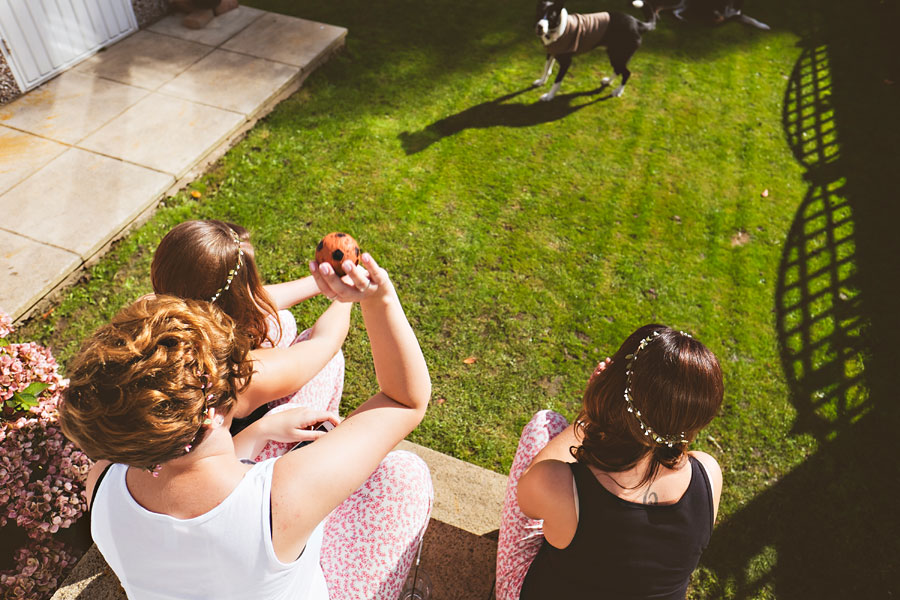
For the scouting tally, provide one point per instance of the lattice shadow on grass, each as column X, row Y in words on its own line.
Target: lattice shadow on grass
column 818, row 308
column 497, row 113
column 812, row 533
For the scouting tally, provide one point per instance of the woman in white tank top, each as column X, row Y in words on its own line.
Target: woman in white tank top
column 178, row 514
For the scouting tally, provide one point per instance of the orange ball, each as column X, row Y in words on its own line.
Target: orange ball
column 335, row 248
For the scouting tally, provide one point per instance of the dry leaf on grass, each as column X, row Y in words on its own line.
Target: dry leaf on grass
column 470, row 360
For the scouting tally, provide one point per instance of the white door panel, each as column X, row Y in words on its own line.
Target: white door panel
column 43, row 37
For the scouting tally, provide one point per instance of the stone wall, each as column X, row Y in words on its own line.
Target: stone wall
column 146, row 11
column 149, row 11
column 9, row 89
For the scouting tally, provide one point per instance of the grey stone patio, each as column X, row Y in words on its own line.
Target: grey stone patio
column 91, row 152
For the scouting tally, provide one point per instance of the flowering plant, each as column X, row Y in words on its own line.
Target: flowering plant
column 42, row 474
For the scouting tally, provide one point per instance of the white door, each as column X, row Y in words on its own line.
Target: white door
column 43, row 37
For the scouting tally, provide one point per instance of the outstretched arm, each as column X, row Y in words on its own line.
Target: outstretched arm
column 309, row 483
column 282, row 371
column 289, row 293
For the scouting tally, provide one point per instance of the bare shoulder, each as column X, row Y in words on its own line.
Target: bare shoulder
column 544, row 487
column 93, row 476
column 546, row 492
column 551, row 472
column 715, row 476
column 712, row 466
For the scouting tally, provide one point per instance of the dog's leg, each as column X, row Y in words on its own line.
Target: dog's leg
column 752, row 22
column 564, row 61
column 625, row 75
column 619, row 55
column 548, row 68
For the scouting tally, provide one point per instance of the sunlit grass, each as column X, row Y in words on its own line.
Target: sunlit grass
column 535, row 237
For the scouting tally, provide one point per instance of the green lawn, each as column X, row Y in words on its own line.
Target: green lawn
column 536, row 236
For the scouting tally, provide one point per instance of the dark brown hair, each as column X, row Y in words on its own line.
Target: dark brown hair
column 676, row 384
column 193, row 261
column 140, row 386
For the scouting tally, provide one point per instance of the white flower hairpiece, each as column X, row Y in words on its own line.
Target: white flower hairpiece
column 232, row 272
column 668, row 440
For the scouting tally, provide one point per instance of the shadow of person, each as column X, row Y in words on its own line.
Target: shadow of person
column 496, row 113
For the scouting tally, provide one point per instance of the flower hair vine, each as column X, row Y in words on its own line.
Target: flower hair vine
column 209, row 412
column 234, row 271
column 668, row 440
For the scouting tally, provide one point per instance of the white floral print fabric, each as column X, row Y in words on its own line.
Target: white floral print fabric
column 322, row 391
column 521, row 537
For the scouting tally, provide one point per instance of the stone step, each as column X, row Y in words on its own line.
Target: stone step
column 457, row 555
column 461, row 542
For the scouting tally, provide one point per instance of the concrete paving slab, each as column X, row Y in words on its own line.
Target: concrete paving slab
column 460, row 565
column 29, row 269
column 91, row 579
column 80, row 200
column 231, row 81
column 465, row 496
column 164, row 133
column 286, row 39
column 21, row 154
column 144, row 59
column 219, row 29
column 70, row 107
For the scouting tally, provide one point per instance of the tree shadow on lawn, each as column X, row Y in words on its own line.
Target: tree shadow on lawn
column 495, row 113
column 829, row 528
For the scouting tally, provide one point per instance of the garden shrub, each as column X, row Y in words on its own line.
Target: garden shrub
column 42, row 474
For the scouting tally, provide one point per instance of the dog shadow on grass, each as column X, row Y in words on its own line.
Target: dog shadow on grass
column 498, row 113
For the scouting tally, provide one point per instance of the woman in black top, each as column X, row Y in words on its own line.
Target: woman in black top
column 615, row 506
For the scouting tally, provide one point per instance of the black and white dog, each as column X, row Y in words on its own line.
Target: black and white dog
column 710, row 11
column 564, row 35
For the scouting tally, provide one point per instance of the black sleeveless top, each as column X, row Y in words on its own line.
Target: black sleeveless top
column 622, row 549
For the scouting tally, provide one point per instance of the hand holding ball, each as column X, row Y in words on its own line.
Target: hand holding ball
column 335, row 248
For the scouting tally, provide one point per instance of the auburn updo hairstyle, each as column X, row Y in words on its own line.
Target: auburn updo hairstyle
column 140, row 386
column 193, row 260
column 676, row 384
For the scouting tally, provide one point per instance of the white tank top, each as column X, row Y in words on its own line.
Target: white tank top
column 224, row 553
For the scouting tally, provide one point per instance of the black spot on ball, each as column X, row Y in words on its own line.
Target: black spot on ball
column 341, row 235
column 356, row 249
column 337, row 255
column 321, row 245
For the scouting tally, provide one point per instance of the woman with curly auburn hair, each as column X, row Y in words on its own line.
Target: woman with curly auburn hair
column 176, row 512
column 215, row 261
column 615, row 505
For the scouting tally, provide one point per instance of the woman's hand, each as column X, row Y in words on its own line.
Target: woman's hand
column 295, row 424
column 601, row 366
column 362, row 282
